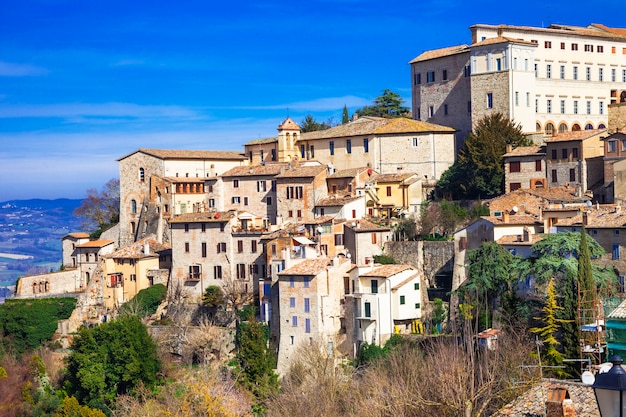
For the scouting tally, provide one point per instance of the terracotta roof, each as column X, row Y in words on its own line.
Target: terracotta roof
column 77, row 235
column 532, row 403
column 190, row 154
column 336, row 201
column 367, row 226
column 566, row 195
column 592, row 30
column 438, row 53
column 368, row 125
column 605, row 217
column 255, row 170
column 320, row 220
column 309, row 267
column 204, row 217
column 616, row 31
column 386, row 271
column 526, row 151
column 576, row 135
column 186, row 179
column 512, row 240
column 348, row 173
column 502, row 39
column 288, row 123
column 303, row 172
column 262, row 141
column 391, row 177
column 136, row 250
column 513, row 219
column 96, row 244
column 616, row 136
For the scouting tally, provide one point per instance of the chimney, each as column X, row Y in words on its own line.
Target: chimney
column 509, row 148
column 585, row 218
column 505, row 216
column 558, row 402
column 146, row 248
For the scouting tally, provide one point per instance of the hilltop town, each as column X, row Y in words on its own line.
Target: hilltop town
column 297, row 224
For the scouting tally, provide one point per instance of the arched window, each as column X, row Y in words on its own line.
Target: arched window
column 133, row 206
column 132, row 227
column 601, row 126
column 538, row 127
column 562, row 128
column 549, row 129
column 142, row 174
column 575, row 127
column 588, row 126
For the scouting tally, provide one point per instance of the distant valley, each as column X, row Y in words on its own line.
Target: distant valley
column 30, row 235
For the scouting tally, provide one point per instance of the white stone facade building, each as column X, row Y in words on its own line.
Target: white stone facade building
column 554, row 79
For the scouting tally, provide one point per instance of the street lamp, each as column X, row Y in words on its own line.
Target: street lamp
column 610, row 390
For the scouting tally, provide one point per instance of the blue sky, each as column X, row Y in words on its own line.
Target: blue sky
column 83, row 83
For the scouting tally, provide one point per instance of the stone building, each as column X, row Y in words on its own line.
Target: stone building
column 606, row 224
column 217, row 248
column 364, row 239
column 144, row 206
column 551, row 79
column 393, row 195
column 68, row 244
column 298, row 189
column 387, row 300
column 89, row 256
column 385, row 145
column 134, row 268
column 253, row 189
column 310, row 306
column 524, row 167
column 614, row 151
column 575, row 159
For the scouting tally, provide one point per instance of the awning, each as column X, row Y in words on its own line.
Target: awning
column 303, row 240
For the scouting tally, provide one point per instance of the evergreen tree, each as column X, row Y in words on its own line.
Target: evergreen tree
column 548, row 333
column 111, row 359
column 256, row 360
column 345, row 118
column 388, row 104
column 585, row 280
column 555, row 257
column 479, row 170
column 490, row 274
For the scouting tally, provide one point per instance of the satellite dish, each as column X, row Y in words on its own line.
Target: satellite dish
column 606, row 367
column 515, row 209
column 589, row 203
column 320, row 229
column 587, row 378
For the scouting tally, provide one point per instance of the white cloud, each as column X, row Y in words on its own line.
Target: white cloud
column 127, row 63
column 76, row 110
column 8, row 69
column 321, row 104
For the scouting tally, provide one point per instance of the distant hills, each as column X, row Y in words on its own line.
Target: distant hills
column 32, row 230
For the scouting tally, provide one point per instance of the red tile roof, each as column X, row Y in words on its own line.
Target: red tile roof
column 190, row 154
column 255, row 170
column 308, row 267
column 386, row 271
column 96, row 244
column 576, row 135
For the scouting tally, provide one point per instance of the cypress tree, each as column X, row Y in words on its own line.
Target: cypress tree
column 345, row 118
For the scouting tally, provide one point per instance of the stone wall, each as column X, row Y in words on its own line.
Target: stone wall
column 48, row 285
column 617, row 117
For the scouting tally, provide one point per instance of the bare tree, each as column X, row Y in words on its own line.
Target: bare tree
column 100, row 209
